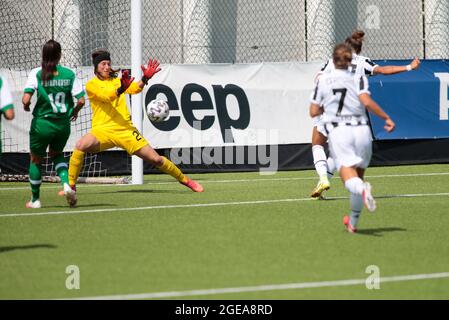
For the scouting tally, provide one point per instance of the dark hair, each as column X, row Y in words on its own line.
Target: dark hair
column 102, row 55
column 342, row 56
column 355, row 41
column 51, row 54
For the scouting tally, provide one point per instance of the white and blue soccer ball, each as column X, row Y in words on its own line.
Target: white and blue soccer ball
column 158, row 110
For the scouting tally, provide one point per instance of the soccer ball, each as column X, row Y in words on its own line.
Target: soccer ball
column 158, row 110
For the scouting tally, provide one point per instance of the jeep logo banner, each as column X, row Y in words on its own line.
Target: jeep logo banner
column 232, row 105
column 257, row 105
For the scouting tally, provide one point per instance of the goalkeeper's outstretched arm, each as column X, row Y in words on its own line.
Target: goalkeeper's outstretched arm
column 148, row 72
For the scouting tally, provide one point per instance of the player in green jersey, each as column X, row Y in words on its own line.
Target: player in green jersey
column 6, row 105
column 56, row 88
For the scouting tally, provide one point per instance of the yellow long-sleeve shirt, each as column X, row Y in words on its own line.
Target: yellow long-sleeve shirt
column 108, row 109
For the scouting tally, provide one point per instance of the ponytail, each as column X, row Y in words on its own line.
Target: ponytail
column 355, row 41
column 51, row 54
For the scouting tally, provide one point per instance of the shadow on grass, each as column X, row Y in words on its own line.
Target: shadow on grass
column 378, row 232
column 28, row 247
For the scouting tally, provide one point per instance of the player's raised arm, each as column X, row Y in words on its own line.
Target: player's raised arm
column 125, row 82
column 355, row 41
column 389, row 70
column 136, row 87
column 149, row 71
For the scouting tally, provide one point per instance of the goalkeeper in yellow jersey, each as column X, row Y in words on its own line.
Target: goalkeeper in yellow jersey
column 111, row 121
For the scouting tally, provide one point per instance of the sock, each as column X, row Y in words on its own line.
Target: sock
column 356, row 201
column 35, row 180
column 355, row 185
column 171, row 169
column 319, row 159
column 61, row 168
column 331, row 167
column 76, row 163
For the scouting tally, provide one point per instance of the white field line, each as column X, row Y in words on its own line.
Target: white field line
column 276, row 287
column 177, row 206
column 82, row 186
column 198, row 205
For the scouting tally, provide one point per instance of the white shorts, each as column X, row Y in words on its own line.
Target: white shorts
column 317, row 120
column 319, row 124
column 351, row 146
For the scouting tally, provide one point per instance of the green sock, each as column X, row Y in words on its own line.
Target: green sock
column 35, row 180
column 61, row 168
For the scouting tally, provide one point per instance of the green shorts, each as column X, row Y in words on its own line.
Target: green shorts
column 46, row 132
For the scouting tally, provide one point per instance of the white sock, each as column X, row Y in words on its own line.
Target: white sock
column 319, row 159
column 356, row 201
column 355, row 185
column 331, row 167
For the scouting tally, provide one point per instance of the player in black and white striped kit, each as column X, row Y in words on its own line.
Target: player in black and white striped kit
column 359, row 65
column 342, row 98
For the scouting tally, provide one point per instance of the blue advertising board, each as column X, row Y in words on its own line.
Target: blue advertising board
column 417, row 101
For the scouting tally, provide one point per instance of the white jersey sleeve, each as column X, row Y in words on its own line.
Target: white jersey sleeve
column 317, row 94
column 77, row 89
column 369, row 66
column 32, row 84
column 361, row 65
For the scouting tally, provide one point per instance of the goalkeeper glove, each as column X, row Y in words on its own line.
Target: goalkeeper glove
column 150, row 70
column 125, row 81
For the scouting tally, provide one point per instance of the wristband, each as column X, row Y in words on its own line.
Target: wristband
column 145, row 80
column 120, row 91
column 409, row 67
